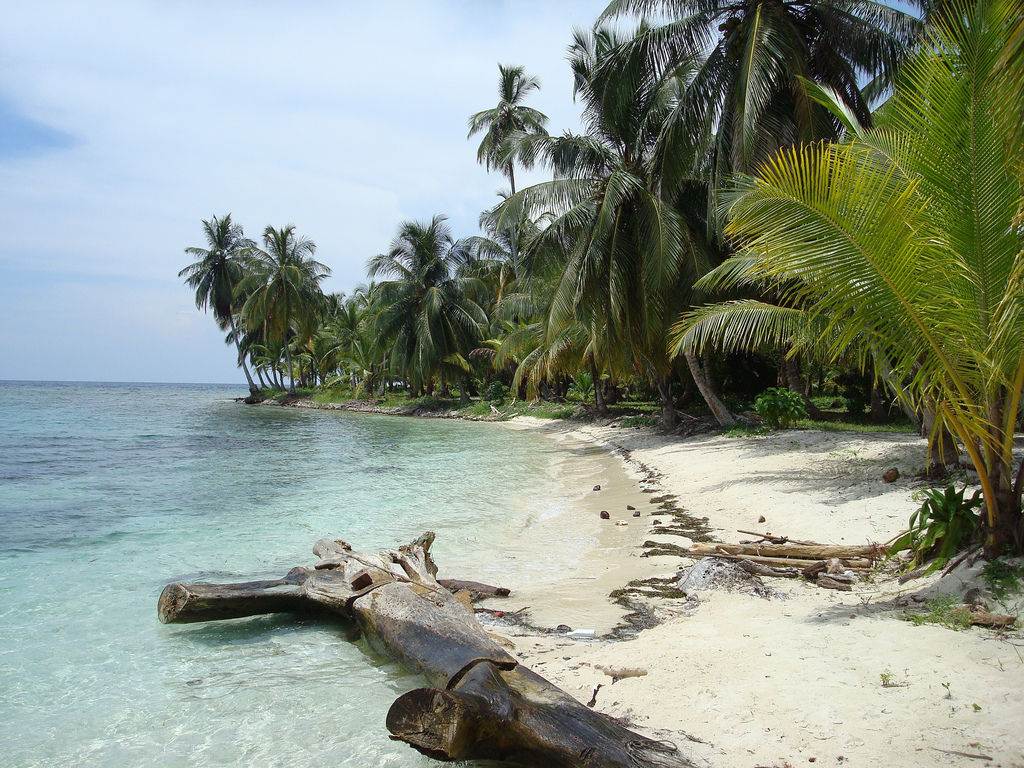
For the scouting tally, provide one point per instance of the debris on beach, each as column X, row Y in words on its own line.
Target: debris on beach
column 713, row 573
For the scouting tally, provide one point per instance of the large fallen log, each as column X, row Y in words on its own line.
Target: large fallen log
column 801, row 551
column 481, row 704
column 854, row 564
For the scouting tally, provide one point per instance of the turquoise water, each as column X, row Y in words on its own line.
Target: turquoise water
column 110, row 491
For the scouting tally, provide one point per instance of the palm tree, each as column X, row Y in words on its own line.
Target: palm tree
column 216, row 273
column 907, row 239
column 509, row 119
column 425, row 312
column 750, row 60
column 630, row 254
column 283, row 288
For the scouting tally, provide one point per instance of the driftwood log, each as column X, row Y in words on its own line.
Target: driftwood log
column 480, row 703
column 793, row 550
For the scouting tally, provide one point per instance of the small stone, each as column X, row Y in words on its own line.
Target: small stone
column 636, row 514
column 604, row 514
column 597, row 487
column 630, row 507
column 891, row 475
column 563, row 628
column 498, row 614
column 657, row 522
column 761, row 519
column 621, row 522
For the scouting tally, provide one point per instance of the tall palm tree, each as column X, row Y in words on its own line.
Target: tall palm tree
column 746, row 92
column 630, row 255
column 216, row 273
column 908, row 239
column 425, row 312
column 509, row 119
column 283, row 288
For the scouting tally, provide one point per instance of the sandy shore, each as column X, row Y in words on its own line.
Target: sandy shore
column 737, row 680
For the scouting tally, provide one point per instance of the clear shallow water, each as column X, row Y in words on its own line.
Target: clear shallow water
column 109, row 491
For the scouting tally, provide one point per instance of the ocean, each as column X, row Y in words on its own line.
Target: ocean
column 110, row 491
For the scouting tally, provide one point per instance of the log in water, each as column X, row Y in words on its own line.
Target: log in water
column 480, row 703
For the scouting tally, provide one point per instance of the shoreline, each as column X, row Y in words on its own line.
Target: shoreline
column 811, row 676
column 814, row 675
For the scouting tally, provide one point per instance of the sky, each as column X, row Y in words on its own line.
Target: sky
column 124, row 124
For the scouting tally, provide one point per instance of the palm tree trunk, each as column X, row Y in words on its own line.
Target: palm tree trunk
column 791, row 367
column 669, row 417
column 463, row 392
column 878, row 413
column 715, row 404
column 941, row 441
column 291, row 372
column 599, row 405
column 238, row 349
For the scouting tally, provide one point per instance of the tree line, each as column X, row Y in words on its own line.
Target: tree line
column 816, row 183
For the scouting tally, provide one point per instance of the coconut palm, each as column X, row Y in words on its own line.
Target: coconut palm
column 506, row 121
column 746, row 91
column 283, row 289
column 215, row 274
column 907, row 239
column 630, row 254
column 424, row 312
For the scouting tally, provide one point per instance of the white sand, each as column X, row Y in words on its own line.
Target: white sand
column 794, row 681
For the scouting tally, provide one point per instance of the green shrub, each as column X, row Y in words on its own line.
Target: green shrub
column 582, row 388
column 944, row 522
column 779, row 407
column 496, row 393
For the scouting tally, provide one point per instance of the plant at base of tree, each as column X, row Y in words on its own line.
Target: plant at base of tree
column 581, row 389
column 940, row 527
column 779, row 407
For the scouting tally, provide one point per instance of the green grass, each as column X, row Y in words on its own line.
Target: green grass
column 847, row 426
column 638, row 421
column 1003, row 578
column 746, row 431
column 331, row 395
column 943, row 611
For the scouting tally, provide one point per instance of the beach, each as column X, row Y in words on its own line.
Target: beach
column 812, row 675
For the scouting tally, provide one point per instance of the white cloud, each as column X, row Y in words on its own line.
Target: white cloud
column 339, row 117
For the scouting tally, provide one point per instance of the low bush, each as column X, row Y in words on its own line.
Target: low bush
column 779, row 407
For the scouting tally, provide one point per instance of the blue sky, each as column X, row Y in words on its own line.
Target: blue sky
column 122, row 125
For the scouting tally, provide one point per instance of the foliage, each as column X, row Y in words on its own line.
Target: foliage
column 746, row 62
column 582, row 388
column 497, row 392
column 1003, row 577
column 940, row 527
column 425, row 312
column 856, row 232
column 779, row 407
